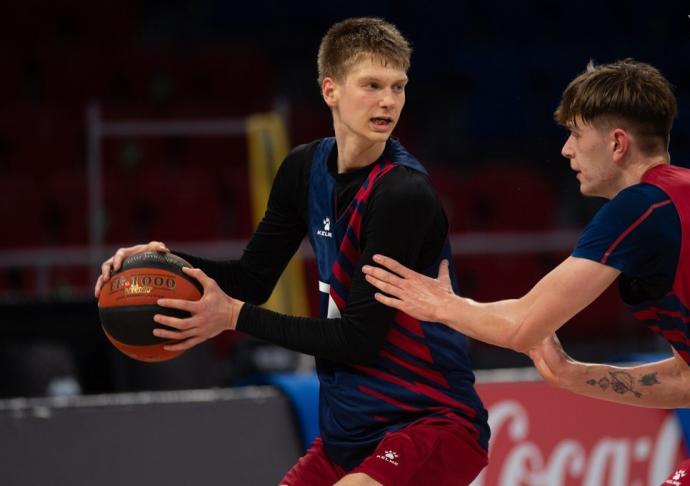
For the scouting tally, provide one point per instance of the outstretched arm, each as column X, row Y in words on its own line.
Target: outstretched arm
column 395, row 222
column 518, row 324
column 662, row 384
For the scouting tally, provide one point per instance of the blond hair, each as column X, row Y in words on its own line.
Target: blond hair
column 348, row 41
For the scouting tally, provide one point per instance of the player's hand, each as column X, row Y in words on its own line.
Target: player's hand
column 552, row 362
column 214, row 313
column 422, row 297
column 114, row 263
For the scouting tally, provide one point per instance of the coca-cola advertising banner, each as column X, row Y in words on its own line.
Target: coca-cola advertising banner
column 545, row 436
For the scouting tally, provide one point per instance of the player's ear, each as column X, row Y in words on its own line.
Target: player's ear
column 620, row 143
column 329, row 90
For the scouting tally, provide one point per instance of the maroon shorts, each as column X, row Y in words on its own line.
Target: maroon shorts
column 680, row 476
column 434, row 451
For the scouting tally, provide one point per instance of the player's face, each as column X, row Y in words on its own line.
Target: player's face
column 368, row 102
column 588, row 149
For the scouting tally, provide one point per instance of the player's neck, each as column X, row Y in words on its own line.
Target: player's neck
column 637, row 170
column 354, row 152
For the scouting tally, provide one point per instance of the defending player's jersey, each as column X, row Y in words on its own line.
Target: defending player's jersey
column 655, row 280
column 670, row 315
column 422, row 369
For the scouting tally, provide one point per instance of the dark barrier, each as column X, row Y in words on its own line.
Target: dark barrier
column 234, row 437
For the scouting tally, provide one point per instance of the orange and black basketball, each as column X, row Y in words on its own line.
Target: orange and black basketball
column 127, row 303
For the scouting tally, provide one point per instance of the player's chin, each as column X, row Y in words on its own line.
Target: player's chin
column 380, row 134
column 589, row 192
column 378, row 137
column 586, row 190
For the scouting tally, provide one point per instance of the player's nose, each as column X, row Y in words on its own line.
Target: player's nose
column 387, row 98
column 567, row 149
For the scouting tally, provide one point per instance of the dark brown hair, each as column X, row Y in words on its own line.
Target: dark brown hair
column 346, row 42
column 627, row 93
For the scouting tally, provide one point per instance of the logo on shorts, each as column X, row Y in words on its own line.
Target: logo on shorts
column 326, row 231
column 389, row 456
column 679, row 474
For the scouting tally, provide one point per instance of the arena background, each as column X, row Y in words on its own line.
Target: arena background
column 484, row 82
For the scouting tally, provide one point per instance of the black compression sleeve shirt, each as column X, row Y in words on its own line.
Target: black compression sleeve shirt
column 276, row 238
column 403, row 220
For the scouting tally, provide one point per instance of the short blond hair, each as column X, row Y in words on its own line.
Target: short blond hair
column 632, row 94
column 348, row 41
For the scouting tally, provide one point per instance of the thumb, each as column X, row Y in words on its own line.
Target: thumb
column 444, row 275
column 541, row 365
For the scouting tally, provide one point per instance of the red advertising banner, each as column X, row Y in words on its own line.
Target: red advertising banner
column 545, row 436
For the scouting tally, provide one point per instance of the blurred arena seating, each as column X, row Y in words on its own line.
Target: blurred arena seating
column 478, row 115
column 483, row 85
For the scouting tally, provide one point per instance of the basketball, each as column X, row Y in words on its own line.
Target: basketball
column 127, row 303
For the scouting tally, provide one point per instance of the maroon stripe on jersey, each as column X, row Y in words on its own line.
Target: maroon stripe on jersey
column 356, row 218
column 420, row 388
column 409, row 345
column 367, row 187
column 342, row 276
column 339, row 301
column 445, row 399
column 450, row 414
column 431, row 375
column 356, row 224
column 409, row 323
column 630, row 228
column 654, row 313
column 348, row 249
column 349, row 245
column 671, row 335
column 387, row 399
column 364, row 193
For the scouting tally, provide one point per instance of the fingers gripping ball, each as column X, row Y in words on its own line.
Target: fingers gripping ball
column 127, row 303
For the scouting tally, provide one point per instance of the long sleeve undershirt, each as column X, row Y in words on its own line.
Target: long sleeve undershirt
column 403, row 220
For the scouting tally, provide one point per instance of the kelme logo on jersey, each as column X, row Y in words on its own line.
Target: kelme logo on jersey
column 326, row 231
column 675, row 480
column 389, row 456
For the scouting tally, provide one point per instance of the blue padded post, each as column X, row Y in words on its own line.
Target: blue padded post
column 303, row 391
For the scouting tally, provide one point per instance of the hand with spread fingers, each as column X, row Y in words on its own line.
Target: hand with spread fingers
column 114, row 263
column 214, row 313
column 421, row 297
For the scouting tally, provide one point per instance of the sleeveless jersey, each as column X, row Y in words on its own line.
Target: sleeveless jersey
column 670, row 314
column 421, row 370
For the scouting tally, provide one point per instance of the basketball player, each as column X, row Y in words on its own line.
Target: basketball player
column 397, row 402
column 619, row 117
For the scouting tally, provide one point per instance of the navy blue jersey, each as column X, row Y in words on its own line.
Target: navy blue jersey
column 639, row 232
column 625, row 234
column 422, row 369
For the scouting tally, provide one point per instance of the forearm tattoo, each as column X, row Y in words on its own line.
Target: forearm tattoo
column 622, row 382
